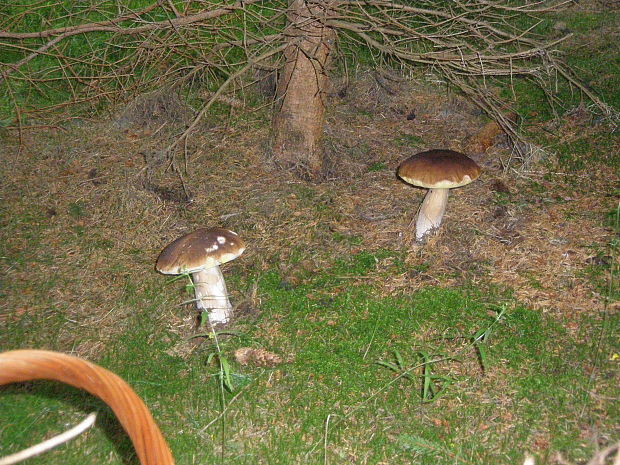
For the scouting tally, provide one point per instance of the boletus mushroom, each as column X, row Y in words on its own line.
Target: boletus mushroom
column 439, row 171
column 200, row 253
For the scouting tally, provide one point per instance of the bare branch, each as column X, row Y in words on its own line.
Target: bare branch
column 469, row 63
column 113, row 25
column 216, row 95
column 472, row 43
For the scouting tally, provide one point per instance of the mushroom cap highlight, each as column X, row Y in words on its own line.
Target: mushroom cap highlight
column 439, row 169
column 199, row 250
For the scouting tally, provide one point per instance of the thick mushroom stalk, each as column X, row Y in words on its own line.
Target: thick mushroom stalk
column 212, row 295
column 431, row 212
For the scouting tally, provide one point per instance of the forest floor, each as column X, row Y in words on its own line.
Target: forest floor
column 331, row 281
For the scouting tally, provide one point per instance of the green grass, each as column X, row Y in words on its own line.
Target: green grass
column 532, row 381
column 528, row 379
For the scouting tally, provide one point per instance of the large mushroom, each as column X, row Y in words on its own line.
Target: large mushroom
column 439, row 171
column 201, row 253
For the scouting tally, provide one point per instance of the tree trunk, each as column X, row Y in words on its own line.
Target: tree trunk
column 301, row 90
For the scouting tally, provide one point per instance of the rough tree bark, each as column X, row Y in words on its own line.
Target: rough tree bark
column 301, row 89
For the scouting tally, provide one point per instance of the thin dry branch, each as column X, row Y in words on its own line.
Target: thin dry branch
column 471, row 64
column 217, row 94
column 470, row 43
column 112, row 26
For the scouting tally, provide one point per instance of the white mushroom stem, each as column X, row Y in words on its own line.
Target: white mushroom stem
column 431, row 212
column 212, row 295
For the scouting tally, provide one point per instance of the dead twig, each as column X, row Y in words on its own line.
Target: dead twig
column 50, row 443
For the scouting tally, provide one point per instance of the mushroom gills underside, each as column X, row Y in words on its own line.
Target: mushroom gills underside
column 431, row 212
column 212, row 295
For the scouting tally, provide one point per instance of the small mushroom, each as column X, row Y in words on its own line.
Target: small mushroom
column 200, row 253
column 439, row 171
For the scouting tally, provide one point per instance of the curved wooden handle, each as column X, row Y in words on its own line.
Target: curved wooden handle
column 28, row 365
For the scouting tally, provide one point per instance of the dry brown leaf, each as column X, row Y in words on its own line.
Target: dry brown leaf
column 257, row 357
column 483, row 139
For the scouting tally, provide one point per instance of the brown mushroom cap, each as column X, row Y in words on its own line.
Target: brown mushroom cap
column 198, row 250
column 439, row 169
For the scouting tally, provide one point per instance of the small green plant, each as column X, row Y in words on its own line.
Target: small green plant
column 409, row 140
column 398, row 366
column 347, row 238
column 422, row 446
column 481, row 337
column 479, row 340
column 501, row 198
column 433, row 385
column 377, row 167
column 77, row 210
column 189, row 286
column 224, row 374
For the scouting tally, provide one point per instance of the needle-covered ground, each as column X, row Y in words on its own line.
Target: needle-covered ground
column 513, row 302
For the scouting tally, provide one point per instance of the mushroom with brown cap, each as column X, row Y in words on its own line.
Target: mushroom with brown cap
column 200, row 253
column 439, row 171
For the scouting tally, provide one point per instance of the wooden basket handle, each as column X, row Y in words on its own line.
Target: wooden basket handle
column 134, row 416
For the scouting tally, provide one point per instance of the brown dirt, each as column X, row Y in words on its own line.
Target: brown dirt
column 531, row 231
